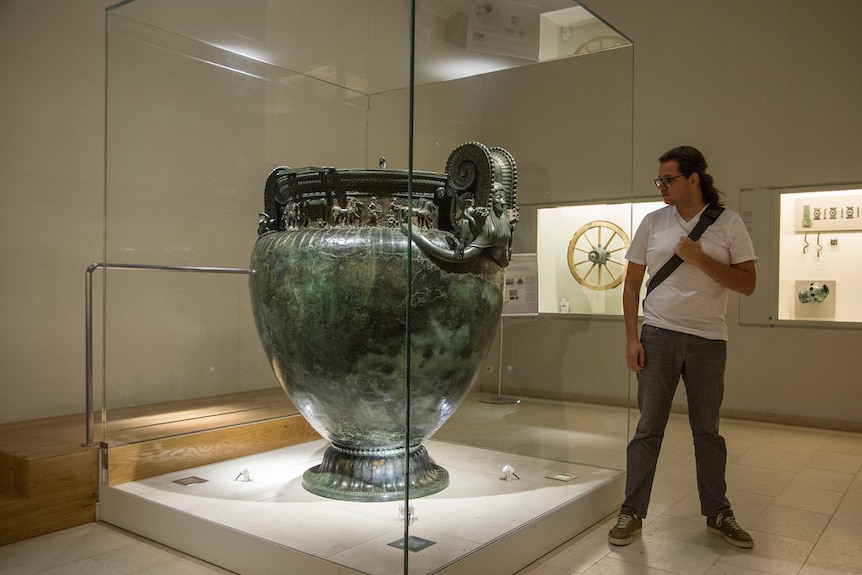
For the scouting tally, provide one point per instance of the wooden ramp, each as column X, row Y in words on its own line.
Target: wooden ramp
column 49, row 480
column 136, row 461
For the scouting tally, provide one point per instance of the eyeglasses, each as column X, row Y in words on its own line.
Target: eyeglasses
column 666, row 181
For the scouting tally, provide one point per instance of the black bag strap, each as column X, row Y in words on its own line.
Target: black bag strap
column 709, row 215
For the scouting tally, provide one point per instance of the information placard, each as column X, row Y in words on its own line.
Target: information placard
column 521, row 292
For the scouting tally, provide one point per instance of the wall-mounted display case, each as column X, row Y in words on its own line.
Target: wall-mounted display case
column 581, row 255
column 808, row 239
column 819, row 241
column 208, row 98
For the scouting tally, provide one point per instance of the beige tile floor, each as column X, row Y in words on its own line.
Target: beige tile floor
column 797, row 490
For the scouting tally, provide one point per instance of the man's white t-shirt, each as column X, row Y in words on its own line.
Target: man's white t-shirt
column 688, row 300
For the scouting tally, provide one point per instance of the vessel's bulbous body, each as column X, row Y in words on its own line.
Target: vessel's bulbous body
column 365, row 331
column 332, row 308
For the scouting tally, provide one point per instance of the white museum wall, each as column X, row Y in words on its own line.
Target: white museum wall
column 52, row 63
column 770, row 99
column 773, row 101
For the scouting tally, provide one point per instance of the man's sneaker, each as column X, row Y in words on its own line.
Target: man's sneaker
column 623, row 533
column 725, row 525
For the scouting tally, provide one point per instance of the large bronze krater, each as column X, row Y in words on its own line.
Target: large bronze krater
column 343, row 300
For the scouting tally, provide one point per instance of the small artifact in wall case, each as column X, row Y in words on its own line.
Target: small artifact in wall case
column 816, row 292
column 815, row 299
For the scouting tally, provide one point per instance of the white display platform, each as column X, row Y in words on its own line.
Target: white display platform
column 480, row 523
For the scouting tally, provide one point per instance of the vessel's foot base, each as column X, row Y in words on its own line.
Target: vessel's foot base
column 369, row 475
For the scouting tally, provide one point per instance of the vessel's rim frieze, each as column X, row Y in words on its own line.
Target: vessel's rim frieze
column 474, row 199
column 313, row 197
column 292, row 183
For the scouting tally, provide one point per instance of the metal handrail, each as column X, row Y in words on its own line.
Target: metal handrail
column 88, row 288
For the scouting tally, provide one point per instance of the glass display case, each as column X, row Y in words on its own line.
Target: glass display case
column 809, row 237
column 232, row 125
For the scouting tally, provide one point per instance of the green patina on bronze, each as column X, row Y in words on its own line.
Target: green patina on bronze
column 330, row 302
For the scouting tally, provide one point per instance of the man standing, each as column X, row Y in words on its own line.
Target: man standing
column 684, row 335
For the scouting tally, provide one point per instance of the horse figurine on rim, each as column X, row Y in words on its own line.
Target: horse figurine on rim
column 349, row 216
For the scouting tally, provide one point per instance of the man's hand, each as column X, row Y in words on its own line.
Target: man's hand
column 741, row 277
column 635, row 355
column 631, row 302
column 688, row 249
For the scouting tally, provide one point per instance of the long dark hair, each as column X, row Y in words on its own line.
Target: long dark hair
column 691, row 161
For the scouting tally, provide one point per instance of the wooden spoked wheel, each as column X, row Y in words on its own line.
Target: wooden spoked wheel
column 597, row 255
